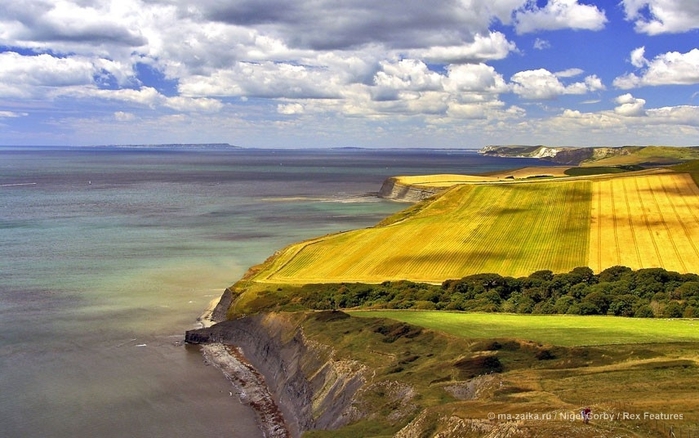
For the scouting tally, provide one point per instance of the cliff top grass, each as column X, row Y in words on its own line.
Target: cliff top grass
column 562, row 330
column 421, row 379
column 650, row 155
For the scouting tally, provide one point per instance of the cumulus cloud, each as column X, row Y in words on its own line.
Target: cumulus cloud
column 630, row 106
column 333, row 25
column 671, row 68
column 474, row 78
column 289, row 109
column 483, row 48
column 26, row 76
column 560, row 14
column 72, row 26
column 266, row 79
column 655, row 17
column 541, row 84
column 638, row 59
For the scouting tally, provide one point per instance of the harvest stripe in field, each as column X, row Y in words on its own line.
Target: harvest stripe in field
column 645, row 222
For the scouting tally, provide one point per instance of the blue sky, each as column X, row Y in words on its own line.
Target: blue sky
column 333, row 73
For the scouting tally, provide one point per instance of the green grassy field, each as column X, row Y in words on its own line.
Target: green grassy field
column 563, row 330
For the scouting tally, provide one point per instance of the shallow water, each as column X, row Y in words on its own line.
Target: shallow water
column 108, row 255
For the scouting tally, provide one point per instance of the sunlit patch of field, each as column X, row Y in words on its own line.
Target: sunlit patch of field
column 567, row 330
column 441, row 180
column 509, row 229
column 533, row 171
column 645, row 221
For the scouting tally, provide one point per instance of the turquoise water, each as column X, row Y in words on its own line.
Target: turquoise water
column 108, row 255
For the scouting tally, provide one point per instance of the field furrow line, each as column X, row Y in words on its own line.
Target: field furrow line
column 612, row 198
column 660, row 210
column 596, row 235
column 630, row 221
column 690, row 210
column 649, row 228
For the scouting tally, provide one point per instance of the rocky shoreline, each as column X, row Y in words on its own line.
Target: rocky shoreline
column 293, row 384
column 250, row 386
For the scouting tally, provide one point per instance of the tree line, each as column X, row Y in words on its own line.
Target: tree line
column 619, row 290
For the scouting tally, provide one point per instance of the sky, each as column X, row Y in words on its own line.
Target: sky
column 350, row 73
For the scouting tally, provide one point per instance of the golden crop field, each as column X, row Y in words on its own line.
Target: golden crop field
column 441, row 180
column 513, row 229
column 640, row 221
column 645, row 221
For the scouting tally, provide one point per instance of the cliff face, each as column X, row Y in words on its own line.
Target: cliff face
column 560, row 155
column 313, row 390
column 392, row 189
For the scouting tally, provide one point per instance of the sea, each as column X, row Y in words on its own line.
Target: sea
column 109, row 254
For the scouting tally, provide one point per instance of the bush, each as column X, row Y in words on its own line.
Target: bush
column 644, row 312
column 673, row 310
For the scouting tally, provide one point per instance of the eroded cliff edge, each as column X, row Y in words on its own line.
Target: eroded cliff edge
column 394, row 190
column 310, row 387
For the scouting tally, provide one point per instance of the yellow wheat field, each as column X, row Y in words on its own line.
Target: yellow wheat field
column 644, row 222
column 510, row 229
column 638, row 221
column 441, row 180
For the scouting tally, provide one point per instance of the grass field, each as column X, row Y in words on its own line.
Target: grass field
column 563, row 330
column 645, row 221
column 470, row 229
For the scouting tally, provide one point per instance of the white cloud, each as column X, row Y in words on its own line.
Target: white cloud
column 630, row 106
column 594, row 83
column 474, row 78
column 638, row 59
column 11, row 114
column 290, row 109
column 187, row 104
column 78, row 27
column 569, row 73
column 560, row 14
column 26, row 76
column 122, row 116
column 655, row 17
column 671, row 68
column 540, row 44
column 483, row 48
column 266, row 79
column 541, row 84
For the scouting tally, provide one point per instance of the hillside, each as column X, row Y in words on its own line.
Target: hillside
column 598, row 156
column 409, row 373
column 639, row 219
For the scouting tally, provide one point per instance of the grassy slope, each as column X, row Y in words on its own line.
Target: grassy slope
column 565, row 330
column 656, row 377
column 651, row 154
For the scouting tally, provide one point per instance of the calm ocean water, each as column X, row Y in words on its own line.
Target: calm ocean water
column 108, row 255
